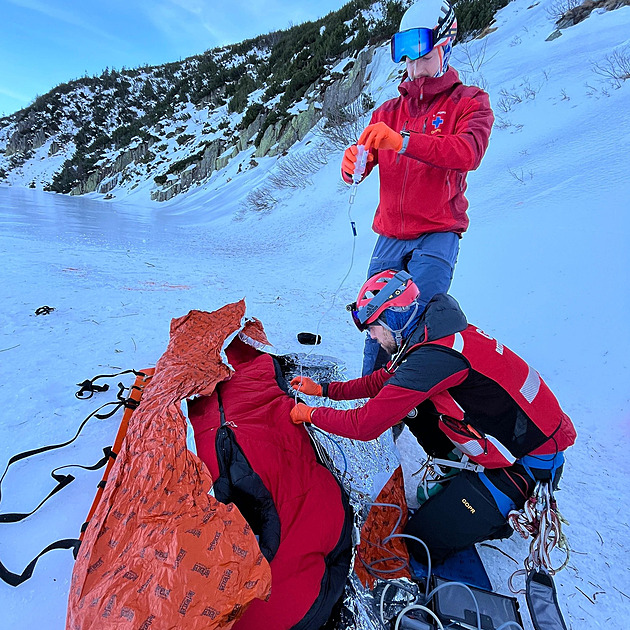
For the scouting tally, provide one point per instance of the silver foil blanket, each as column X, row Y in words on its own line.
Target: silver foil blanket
column 363, row 468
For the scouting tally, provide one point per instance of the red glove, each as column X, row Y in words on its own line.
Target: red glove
column 306, row 385
column 350, row 159
column 380, row 136
column 301, row 413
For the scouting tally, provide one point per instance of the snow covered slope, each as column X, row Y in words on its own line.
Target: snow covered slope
column 544, row 268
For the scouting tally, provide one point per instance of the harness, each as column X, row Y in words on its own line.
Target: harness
column 545, row 429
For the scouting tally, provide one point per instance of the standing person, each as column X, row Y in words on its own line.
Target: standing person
column 424, row 143
column 455, row 387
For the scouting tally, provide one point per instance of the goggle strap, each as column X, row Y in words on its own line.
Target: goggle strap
column 445, row 25
column 398, row 333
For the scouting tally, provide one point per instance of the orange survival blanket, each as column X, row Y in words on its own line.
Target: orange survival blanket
column 159, row 551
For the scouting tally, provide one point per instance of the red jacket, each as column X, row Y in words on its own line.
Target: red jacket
column 422, row 189
column 489, row 393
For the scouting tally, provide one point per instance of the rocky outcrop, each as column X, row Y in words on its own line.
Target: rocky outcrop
column 54, row 148
column 333, row 94
column 28, row 135
column 270, row 139
column 109, row 184
column 123, row 160
column 281, row 136
column 214, row 99
column 223, row 160
column 195, row 172
column 347, row 89
column 580, row 13
column 164, row 194
column 247, row 134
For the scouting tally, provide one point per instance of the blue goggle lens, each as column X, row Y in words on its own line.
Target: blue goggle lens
column 414, row 43
column 354, row 311
column 357, row 321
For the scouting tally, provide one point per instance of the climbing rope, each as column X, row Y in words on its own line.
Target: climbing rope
column 540, row 520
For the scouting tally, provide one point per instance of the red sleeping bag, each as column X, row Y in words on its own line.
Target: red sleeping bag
column 267, row 466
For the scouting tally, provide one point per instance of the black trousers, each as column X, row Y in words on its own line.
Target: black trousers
column 461, row 514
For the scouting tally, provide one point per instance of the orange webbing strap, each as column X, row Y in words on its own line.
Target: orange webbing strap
column 142, row 379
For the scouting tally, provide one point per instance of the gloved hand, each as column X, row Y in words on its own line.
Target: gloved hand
column 350, row 159
column 380, row 136
column 306, row 385
column 301, row 413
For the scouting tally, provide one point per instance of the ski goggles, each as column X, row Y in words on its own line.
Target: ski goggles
column 413, row 44
column 418, row 42
column 361, row 315
column 354, row 311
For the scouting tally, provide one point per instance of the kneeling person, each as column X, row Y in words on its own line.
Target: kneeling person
column 454, row 386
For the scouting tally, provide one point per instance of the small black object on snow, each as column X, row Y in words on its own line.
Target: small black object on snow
column 309, row 339
column 44, row 310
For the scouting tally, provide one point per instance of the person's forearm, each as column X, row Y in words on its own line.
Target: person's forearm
column 364, row 387
column 462, row 150
column 373, row 418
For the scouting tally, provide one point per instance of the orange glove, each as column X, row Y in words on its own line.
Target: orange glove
column 301, row 413
column 350, row 159
column 306, row 385
column 380, row 136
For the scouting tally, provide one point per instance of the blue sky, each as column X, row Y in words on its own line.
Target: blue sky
column 47, row 42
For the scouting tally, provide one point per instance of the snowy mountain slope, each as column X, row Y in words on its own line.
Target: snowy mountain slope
column 544, row 267
column 171, row 126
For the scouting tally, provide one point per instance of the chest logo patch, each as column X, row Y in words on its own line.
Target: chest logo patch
column 437, row 121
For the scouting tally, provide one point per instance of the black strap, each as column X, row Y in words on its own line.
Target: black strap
column 15, row 579
column 62, row 482
column 50, row 447
column 89, row 387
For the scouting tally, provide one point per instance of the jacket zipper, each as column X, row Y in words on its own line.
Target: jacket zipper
column 404, row 184
column 402, row 192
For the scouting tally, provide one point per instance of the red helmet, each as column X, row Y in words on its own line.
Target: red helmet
column 383, row 290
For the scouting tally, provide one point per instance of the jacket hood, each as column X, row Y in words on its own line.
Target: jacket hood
column 441, row 317
column 428, row 87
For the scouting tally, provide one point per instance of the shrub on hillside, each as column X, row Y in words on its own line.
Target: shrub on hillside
column 294, row 171
column 615, row 68
column 344, row 125
column 250, row 115
column 184, row 138
column 245, row 86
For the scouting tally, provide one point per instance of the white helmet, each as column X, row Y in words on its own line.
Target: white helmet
column 437, row 16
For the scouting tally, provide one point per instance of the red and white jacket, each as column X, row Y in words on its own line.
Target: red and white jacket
column 491, row 404
column 422, row 188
